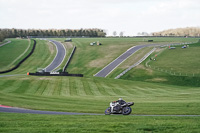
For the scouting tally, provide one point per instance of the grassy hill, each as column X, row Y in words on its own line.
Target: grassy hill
column 94, row 94
column 12, row 53
column 153, row 91
column 42, row 56
column 88, row 60
column 179, row 61
column 28, row 91
column 172, row 66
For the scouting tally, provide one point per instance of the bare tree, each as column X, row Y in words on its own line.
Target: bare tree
column 114, row 33
column 138, row 33
column 144, row 34
column 121, row 34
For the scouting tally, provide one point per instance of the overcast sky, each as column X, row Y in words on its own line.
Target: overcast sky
column 129, row 16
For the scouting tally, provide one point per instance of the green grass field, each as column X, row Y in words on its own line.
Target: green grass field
column 179, row 60
column 43, row 55
column 175, row 66
column 4, row 41
column 24, row 123
column 94, row 94
column 88, row 60
column 153, row 91
column 13, row 53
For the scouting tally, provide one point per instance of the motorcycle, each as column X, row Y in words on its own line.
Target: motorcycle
column 117, row 108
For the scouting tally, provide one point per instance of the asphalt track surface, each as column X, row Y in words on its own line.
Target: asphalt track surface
column 12, row 75
column 110, row 67
column 7, row 109
column 61, row 53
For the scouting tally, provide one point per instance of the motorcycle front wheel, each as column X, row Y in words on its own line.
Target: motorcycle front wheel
column 126, row 110
column 107, row 111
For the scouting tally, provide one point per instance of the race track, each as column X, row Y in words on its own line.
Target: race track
column 61, row 53
column 110, row 67
column 21, row 110
column 5, row 43
column 8, row 109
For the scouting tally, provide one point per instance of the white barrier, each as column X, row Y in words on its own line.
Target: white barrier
column 137, row 63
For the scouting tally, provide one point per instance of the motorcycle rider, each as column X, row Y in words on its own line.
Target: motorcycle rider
column 121, row 101
column 118, row 104
column 119, row 107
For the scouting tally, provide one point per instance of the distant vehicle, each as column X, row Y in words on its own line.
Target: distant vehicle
column 172, row 47
column 119, row 107
column 68, row 40
column 184, row 46
column 95, row 43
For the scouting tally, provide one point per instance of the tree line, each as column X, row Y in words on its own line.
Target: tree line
column 23, row 33
column 189, row 31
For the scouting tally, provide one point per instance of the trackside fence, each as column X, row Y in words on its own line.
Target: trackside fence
column 68, row 61
column 55, row 74
column 175, row 73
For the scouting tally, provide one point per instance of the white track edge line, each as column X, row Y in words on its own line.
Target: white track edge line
column 63, row 57
column 54, row 57
column 121, row 63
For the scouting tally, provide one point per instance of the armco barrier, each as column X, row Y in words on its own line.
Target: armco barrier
column 21, row 60
column 55, row 74
column 136, row 64
column 66, row 65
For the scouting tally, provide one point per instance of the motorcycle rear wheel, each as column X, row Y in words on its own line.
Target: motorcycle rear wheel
column 126, row 110
column 107, row 111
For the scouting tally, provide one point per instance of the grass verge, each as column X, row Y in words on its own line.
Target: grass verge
column 41, row 58
column 73, row 94
column 175, row 66
column 12, row 53
column 123, row 124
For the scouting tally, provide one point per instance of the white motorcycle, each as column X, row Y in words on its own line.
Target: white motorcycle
column 117, row 108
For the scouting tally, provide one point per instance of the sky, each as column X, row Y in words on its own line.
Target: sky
column 128, row 16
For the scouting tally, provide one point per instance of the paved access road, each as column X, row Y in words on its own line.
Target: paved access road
column 5, row 43
column 61, row 53
column 110, row 67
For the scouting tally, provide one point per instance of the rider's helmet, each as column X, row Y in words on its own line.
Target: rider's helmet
column 120, row 99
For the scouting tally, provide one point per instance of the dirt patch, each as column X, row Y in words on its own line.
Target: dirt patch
column 51, row 47
column 97, row 63
column 133, row 59
column 24, row 78
column 158, row 50
column 157, row 79
column 68, row 45
column 106, row 57
column 45, row 78
column 150, row 71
